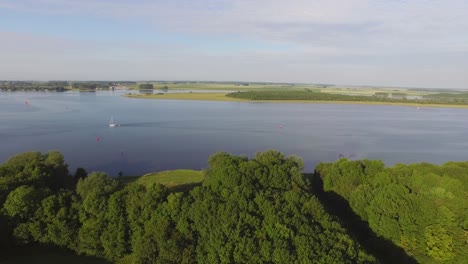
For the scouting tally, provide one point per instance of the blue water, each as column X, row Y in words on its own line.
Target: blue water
column 157, row 135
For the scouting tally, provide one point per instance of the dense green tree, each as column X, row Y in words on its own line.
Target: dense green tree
column 97, row 183
column 80, row 173
column 23, row 202
column 57, row 170
column 115, row 236
column 94, row 192
column 55, row 221
column 20, row 207
column 34, row 208
column 34, row 169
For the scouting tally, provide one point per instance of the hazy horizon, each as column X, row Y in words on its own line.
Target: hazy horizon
column 384, row 43
column 236, row 81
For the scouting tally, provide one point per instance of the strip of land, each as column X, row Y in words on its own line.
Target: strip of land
column 189, row 96
column 223, row 97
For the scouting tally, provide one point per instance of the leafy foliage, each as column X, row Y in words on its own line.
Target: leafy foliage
column 34, row 169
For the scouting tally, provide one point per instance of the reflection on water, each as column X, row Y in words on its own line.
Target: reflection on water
column 144, row 124
column 157, row 135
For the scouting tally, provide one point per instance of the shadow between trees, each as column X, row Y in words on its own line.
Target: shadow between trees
column 47, row 254
column 383, row 249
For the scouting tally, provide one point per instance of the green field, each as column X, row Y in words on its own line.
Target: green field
column 173, row 179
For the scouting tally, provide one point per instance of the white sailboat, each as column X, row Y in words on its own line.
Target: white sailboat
column 111, row 122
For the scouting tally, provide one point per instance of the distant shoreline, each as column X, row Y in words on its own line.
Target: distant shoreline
column 221, row 97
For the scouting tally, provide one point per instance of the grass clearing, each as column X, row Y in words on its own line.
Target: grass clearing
column 173, row 179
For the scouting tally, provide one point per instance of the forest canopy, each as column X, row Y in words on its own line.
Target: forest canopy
column 258, row 210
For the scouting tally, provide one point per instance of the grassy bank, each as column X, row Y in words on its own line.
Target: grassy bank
column 223, row 97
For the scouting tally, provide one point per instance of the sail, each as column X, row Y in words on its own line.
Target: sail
column 111, row 122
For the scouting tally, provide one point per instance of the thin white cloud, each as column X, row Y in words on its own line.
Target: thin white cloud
column 301, row 22
column 363, row 40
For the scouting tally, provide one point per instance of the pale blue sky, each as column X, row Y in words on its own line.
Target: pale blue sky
column 417, row 43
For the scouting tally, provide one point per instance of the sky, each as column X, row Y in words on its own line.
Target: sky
column 405, row 43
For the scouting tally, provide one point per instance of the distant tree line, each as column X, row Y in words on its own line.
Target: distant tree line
column 36, row 86
column 58, row 85
column 91, row 85
column 458, row 99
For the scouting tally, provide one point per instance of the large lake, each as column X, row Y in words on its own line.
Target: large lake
column 159, row 135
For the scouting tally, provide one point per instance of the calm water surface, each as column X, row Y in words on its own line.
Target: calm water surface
column 158, row 135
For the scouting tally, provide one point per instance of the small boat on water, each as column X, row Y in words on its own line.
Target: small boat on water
column 111, row 122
